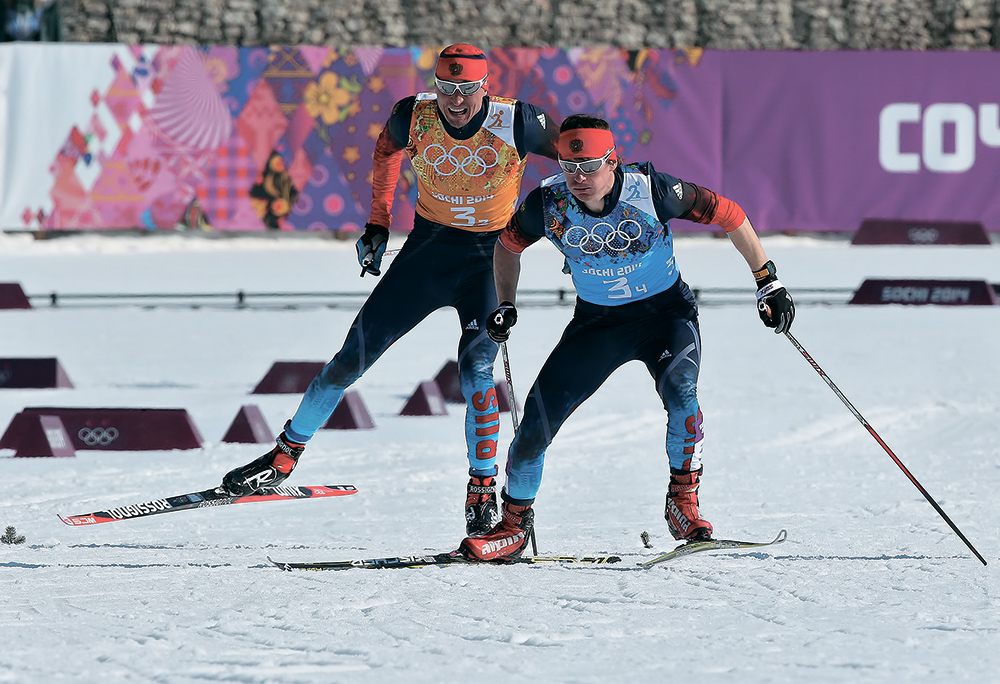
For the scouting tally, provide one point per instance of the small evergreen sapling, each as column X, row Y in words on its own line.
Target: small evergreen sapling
column 11, row 536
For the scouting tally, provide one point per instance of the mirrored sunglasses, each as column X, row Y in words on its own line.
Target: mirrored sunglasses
column 585, row 167
column 467, row 88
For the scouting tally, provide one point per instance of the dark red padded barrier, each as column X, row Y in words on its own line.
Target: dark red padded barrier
column 249, row 427
column 941, row 292
column 18, row 373
column 426, row 400
column 350, row 414
column 288, row 377
column 903, row 232
column 13, row 297
column 43, row 436
column 448, row 382
column 451, row 389
column 114, row 429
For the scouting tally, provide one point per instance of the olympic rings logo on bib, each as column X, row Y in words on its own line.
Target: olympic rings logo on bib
column 603, row 236
column 98, row 436
column 460, row 157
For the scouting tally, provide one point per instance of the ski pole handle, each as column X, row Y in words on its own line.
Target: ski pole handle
column 365, row 263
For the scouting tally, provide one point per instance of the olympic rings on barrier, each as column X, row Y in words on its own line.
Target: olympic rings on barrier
column 603, row 235
column 98, row 436
column 447, row 163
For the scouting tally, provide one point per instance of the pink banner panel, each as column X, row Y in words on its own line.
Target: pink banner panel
column 281, row 138
column 822, row 141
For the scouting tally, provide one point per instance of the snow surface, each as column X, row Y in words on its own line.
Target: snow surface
column 871, row 586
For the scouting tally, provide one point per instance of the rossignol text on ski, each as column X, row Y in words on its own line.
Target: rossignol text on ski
column 209, row 497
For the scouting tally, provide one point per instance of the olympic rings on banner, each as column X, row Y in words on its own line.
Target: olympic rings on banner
column 98, row 436
column 471, row 163
column 603, row 236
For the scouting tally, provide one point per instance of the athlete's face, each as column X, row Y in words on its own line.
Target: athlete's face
column 458, row 108
column 590, row 188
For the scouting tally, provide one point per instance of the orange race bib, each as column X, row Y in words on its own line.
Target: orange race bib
column 469, row 184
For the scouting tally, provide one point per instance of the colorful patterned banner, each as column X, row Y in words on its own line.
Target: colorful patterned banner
column 272, row 139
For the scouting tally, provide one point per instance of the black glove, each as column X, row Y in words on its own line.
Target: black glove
column 501, row 321
column 774, row 304
column 371, row 247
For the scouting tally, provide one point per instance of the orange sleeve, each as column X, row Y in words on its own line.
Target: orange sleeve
column 729, row 214
column 385, row 174
column 711, row 207
column 513, row 240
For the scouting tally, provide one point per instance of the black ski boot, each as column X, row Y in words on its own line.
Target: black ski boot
column 269, row 470
column 481, row 513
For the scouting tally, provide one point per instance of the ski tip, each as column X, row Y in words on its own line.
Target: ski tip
column 339, row 490
column 77, row 520
column 282, row 566
column 782, row 536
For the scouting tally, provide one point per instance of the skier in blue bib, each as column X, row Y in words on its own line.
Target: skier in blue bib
column 611, row 221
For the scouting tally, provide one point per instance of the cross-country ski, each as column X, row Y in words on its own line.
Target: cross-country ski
column 209, row 497
column 456, row 558
column 450, row 558
column 711, row 545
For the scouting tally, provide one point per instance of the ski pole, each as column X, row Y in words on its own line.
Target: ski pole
column 513, row 420
column 885, row 446
column 369, row 258
column 510, row 387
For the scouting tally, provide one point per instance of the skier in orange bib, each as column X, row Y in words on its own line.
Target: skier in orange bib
column 468, row 150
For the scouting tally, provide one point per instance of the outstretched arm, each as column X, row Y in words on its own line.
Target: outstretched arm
column 748, row 244
column 506, row 272
column 774, row 304
column 675, row 198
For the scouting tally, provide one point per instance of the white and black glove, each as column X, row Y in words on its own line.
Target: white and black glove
column 501, row 321
column 774, row 304
column 371, row 247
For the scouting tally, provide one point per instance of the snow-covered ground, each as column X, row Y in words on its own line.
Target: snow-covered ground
column 871, row 586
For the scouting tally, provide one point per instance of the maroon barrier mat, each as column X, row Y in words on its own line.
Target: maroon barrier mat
column 44, row 436
column 448, row 382
column 288, row 377
column 114, row 429
column 249, row 427
column 902, row 232
column 350, row 414
column 20, row 373
column 940, row 292
column 13, row 297
column 426, row 400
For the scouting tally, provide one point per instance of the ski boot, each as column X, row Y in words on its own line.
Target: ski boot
column 683, row 517
column 269, row 470
column 481, row 505
column 506, row 541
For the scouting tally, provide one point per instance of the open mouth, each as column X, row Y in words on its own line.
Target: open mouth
column 458, row 112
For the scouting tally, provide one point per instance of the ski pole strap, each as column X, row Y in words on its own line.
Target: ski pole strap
column 772, row 286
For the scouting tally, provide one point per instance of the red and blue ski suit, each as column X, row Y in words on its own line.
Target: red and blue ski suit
column 631, row 305
column 468, row 185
